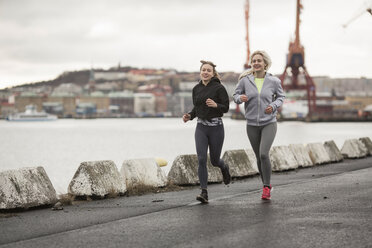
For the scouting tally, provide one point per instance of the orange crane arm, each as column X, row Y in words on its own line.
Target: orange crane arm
column 246, row 65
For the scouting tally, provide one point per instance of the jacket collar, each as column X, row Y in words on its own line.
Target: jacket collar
column 213, row 81
column 251, row 77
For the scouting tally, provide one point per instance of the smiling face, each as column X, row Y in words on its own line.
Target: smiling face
column 206, row 72
column 258, row 63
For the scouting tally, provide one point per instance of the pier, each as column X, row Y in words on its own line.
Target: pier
column 323, row 206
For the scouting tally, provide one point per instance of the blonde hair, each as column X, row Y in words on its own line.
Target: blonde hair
column 266, row 58
column 215, row 73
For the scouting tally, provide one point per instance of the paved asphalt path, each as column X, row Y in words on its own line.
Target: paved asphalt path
column 323, row 206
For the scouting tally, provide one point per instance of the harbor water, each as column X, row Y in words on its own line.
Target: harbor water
column 60, row 146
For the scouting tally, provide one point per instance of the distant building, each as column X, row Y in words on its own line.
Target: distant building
column 124, row 101
column 155, row 88
column 86, row 110
column 6, row 109
column 160, row 92
column 359, row 102
column 55, row 108
column 180, row 103
column 97, row 99
column 144, row 104
column 108, row 87
column 92, row 81
column 149, row 74
column 344, row 86
column 110, row 75
column 68, row 102
column 68, row 88
column 27, row 98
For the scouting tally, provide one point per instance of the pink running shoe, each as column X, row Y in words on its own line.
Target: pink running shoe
column 266, row 193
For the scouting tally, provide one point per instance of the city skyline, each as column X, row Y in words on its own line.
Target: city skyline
column 45, row 38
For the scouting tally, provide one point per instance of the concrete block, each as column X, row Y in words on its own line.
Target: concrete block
column 252, row 158
column 25, row 188
column 239, row 163
column 301, row 155
column 354, row 148
column 367, row 143
column 318, row 153
column 97, row 178
column 333, row 152
column 143, row 172
column 282, row 158
column 184, row 171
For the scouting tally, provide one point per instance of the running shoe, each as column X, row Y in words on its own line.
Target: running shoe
column 203, row 197
column 226, row 174
column 266, row 192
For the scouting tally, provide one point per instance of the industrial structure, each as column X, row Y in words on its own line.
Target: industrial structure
column 237, row 113
column 367, row 7
column 295, row 67
column 246, row 12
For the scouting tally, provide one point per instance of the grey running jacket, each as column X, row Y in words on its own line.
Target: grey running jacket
column 271, row 94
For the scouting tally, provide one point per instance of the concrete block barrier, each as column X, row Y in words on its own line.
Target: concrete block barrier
column 239, row 163
column 138, row 172
column 318, row 153
column 252, row 158
column 282, row 158
column 97, row 178
column 368, row 144
column 353, row 148
column 333, row 152
column 26, row 188
column 301, row 155
column 184, row 171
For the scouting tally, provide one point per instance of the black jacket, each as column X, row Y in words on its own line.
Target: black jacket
column 215, row 91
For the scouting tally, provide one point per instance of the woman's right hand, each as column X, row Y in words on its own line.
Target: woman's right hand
column 243, row 98
column 186, row 117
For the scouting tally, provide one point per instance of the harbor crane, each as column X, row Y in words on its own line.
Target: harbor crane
column 246, row 11
column 295, row 66
column 366, row 8
column 238, row 113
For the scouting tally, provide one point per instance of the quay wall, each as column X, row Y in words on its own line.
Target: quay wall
column 30, row 187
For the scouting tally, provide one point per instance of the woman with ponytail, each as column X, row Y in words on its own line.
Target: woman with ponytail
column 210, row 101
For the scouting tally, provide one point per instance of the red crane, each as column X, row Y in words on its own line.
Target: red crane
column 238, row 114
column 246, row 11
column 296, row 66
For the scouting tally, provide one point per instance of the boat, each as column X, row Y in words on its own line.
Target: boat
column 31, row 114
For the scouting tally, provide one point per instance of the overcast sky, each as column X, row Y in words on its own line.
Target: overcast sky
column 40, row 39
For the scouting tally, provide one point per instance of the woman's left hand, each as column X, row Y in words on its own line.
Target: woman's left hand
column 269, row 110
column 211, row 103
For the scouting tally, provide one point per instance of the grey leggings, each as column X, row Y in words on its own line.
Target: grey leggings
column 213, row 137
column 261, row 138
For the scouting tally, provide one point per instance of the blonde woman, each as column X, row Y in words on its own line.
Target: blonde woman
column 210, row 101
column 262, row 95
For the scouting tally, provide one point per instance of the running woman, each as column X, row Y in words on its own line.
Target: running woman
column 262, row 95
column 210, row 101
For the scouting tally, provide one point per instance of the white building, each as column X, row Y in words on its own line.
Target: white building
column 144, row 104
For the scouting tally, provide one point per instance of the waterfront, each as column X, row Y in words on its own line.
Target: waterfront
column 62, row 145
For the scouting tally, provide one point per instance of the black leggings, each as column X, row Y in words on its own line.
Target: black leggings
column 213, row 137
